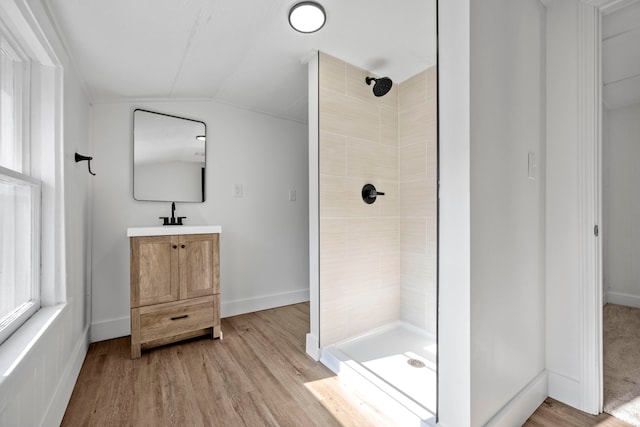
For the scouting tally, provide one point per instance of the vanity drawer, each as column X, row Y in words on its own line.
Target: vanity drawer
column 175, row 286
column 164, row 323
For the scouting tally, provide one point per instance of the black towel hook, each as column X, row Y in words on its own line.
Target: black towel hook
column 80, row 158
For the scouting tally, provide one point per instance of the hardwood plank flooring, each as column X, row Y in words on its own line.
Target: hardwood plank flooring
column 553, row 413
column 258, row 375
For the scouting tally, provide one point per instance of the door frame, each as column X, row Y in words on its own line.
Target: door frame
column 589, row 199
column 593, row 388
column 574, row 141
column 590, row 125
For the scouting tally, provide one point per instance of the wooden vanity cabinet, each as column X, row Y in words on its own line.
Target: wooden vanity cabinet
column 175, row 289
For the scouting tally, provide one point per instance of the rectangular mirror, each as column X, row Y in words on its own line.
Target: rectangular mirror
column 169, row 157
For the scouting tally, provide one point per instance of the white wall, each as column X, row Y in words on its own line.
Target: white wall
column 507, row 207
column 78, row 188
column 264, row 242
column 562, row 265
column 36, row 390
column 454, row 251
column 621, row 206
column 491, row 301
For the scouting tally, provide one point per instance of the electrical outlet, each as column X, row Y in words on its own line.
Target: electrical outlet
column 292, row 195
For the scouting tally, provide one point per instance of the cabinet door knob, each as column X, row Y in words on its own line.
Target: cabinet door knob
column 175, row 246
column 183, row 246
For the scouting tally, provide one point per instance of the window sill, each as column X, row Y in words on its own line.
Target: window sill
column 17, row 347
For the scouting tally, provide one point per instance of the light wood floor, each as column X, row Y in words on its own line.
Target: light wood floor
column 553, row 413
column 259, row 374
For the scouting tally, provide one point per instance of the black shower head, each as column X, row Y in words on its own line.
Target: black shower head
column 382, row 86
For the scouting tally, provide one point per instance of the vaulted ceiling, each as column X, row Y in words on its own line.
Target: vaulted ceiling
column 240, row 52
column 621, row 56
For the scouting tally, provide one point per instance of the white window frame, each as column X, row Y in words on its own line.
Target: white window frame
column 24, row 174
column 12, row 322
column 22, row 84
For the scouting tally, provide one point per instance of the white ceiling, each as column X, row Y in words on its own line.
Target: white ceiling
column 621, row 57
column 241, row 52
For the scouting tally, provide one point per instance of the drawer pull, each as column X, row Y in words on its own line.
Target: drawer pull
column 184, row 316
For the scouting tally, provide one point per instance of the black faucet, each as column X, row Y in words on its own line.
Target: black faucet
column 172, row 220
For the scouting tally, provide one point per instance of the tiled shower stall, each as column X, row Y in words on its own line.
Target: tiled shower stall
column 377, row 261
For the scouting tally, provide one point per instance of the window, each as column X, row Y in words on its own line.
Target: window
column 20, row 196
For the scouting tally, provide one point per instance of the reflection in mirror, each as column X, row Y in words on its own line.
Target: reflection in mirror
column 168, row 158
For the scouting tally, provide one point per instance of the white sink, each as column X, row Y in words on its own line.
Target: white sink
column 171, row 230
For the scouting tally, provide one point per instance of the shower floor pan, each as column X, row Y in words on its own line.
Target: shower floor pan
column 399, row 359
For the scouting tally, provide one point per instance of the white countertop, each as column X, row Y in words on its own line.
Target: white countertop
column 172, row 230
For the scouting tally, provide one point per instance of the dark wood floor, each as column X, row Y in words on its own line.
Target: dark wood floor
column 259, row 374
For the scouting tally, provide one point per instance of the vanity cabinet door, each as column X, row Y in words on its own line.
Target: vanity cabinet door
column 199, row 265
column 154, row 270
column 175, row 289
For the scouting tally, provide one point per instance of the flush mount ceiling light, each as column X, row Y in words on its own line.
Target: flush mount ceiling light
column 307, row 17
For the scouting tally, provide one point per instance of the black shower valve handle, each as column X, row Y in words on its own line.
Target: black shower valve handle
column 370, row 194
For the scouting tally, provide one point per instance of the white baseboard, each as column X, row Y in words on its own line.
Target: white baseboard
column 120, row 327
column 265, row 302
column 110, row 329
column 313, row 347
column 58, row 404
column 620, row 298
column 564, row 389
column 525, row 403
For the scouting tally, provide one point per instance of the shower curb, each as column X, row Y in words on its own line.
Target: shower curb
column 360, row 377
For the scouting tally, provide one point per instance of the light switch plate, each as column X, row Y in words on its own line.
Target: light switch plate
column 237, row 190
column 532, row 166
